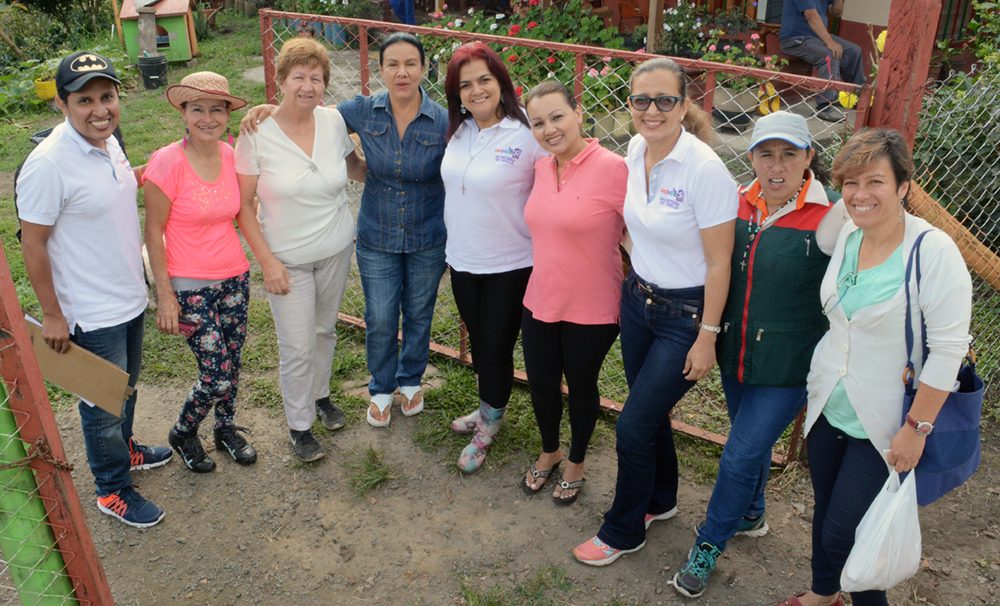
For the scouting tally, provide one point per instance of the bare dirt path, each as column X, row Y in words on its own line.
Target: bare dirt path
column 282, row 533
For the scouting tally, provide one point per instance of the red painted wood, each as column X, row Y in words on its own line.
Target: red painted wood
column 267, row 44
column 30, row 403
column 363, row 55
column 902, row 74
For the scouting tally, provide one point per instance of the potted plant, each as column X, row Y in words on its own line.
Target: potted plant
column 736, row 97
column 604, row 100
column 45, row 78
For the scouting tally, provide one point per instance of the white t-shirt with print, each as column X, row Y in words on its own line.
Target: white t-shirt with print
column 690, row 190
column 485, row 219
column 303, row 208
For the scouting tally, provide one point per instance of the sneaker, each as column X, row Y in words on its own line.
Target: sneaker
column 228, row 439
column 829, row 113
column 693, row 578
column 331, row 416
column 596, row 552
column 666, row 515
column 128, row 506
column 191, row 451
column 753, row 528
column 147, row 457
column 306, row 446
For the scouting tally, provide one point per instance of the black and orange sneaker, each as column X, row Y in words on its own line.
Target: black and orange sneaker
column 147, row 457
column 128, row 506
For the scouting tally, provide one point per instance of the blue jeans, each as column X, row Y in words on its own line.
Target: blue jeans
column 656, row 335
column 105, row 435
column 847, row 474
column 394, row 283
column 758, row 415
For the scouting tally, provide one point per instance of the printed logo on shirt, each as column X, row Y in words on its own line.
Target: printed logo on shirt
column 672, row 198
column 508, row 156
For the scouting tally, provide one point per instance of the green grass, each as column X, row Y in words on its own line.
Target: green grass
column 547, row 587
column 368, row 470
column 264, row 391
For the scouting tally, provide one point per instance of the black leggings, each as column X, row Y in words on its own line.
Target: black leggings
column 491, row 306
column 550, row 349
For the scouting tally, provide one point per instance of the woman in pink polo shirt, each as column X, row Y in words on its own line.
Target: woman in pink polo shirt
column 571, row 304
column 200, row 269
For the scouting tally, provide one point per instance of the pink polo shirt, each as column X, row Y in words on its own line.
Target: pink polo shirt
column 576, row 224
column 199, row 236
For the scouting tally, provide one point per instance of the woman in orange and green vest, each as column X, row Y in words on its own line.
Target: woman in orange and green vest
column 786, row 228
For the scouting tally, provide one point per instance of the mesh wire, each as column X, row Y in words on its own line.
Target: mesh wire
column 32, row 568
column 734, row 96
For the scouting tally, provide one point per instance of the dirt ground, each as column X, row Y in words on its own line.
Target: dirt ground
column 280, row 532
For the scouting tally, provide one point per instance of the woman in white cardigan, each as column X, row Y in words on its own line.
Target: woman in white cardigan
column 855, row 388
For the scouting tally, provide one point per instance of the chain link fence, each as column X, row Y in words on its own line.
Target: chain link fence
column 735, row 96
column 957, row 153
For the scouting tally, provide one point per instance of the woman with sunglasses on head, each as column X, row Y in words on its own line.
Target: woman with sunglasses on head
column 854, row 418
column 572, row 301
column 786, row 230
column 680, row 210
column 488, row 172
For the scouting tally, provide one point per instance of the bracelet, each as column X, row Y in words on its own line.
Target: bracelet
column 715, row 329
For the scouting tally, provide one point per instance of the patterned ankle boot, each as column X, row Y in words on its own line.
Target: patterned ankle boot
column 466, row 424
column 487, row 426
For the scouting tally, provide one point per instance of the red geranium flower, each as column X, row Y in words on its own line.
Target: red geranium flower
column 531, row 25
column 514, row 30
column 518, row 90
column 532, row 2
column 512, row 58
column 551, row 59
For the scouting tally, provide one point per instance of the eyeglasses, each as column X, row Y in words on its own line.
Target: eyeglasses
column 845, row 283
column 664, row 103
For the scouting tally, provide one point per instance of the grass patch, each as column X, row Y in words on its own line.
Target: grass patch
column 265, row 391
column 547, row 587
column 368, row 470
column 698, row 458
column 165, row 357
column 260, row 353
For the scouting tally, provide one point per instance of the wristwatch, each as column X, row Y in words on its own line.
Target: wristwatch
column 923, row 428
column 715, row 329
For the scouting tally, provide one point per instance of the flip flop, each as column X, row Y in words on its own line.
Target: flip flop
column 537, row 475
column 576, row 485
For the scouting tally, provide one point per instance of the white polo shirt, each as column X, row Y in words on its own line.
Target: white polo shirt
column 87, row 195
column 303, row 210
column 690, row 190
column 486, row 229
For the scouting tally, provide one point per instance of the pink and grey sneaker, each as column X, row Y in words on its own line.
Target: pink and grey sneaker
column 666, row 515
column 596, row 552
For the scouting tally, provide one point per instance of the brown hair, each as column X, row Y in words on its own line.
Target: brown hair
column 869, row 146
column 696, row 121
column 549, row 87
column 306, row 52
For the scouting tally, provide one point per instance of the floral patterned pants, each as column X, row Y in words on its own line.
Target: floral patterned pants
column 221, row 310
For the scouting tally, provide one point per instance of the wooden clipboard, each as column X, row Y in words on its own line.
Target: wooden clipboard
column 89, row 376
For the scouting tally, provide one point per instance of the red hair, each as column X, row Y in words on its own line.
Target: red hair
column 510, row 106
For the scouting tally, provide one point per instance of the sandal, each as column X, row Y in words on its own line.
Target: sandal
column 537, row 474
column 381, row 409
column 564, row 485
column 794, row 600
column 405, row 403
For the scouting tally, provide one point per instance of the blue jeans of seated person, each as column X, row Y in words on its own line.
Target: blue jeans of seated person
column 397, row 283
column 847, row 474
column 105, row 435
column 759, row 415
column 655, row 340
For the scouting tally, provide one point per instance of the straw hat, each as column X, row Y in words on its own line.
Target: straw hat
column 202, row 85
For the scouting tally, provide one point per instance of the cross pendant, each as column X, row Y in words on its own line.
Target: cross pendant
column 743, row 265
column 463, row 189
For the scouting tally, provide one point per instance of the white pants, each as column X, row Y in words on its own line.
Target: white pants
column 306, row 321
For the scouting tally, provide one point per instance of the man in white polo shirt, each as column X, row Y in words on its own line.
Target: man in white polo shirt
column 82, row 251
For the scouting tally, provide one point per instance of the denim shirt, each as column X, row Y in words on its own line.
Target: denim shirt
column 402, row 208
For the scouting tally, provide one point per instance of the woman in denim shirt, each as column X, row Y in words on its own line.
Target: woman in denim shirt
column 401, row 234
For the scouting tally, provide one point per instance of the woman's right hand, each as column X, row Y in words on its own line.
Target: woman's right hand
column 276, row 278
column 167, row 311
column 248, row 125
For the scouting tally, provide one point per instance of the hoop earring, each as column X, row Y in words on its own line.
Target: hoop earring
column 186, row 133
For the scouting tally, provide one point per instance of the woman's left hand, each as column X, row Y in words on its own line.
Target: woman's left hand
column 905, row 449
column 700, row 358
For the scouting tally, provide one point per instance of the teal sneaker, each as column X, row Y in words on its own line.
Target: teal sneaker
column 753, row 528
column 692, row 580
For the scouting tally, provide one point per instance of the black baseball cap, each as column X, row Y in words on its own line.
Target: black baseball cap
column 80, row 68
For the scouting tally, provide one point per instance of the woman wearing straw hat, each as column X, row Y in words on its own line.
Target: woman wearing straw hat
column 298, row 162
column 201, row 271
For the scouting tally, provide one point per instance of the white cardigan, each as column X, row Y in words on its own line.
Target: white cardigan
column 869, row 351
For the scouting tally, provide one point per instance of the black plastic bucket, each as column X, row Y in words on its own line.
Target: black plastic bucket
column 154, row 71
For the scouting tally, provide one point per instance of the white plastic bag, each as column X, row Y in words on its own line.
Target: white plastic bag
column 887, row 542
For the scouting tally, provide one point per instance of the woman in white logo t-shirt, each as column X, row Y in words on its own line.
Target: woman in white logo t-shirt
column 680, row 210
column 488, row 172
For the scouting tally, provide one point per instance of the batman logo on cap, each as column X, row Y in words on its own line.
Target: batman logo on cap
column 88, row 63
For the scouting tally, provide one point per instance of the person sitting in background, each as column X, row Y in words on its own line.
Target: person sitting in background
column 202, row 275
column 83, row 254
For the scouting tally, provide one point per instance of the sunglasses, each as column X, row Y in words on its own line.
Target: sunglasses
column 664, row 104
